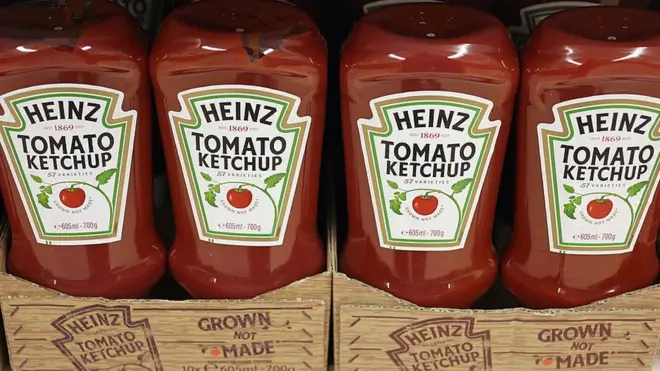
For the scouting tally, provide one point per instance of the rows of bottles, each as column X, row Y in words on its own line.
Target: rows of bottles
column 443, row 113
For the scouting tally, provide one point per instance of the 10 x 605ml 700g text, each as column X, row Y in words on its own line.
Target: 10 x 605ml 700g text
column 218, row 367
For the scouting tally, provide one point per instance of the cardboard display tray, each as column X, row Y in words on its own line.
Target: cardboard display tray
column 283, row 330
column 4, row 240
column 374, row 330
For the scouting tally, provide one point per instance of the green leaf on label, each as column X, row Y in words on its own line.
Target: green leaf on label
column 392, row 184
column 571, row 197
column 459, row 186
column 37, row 178
column 395, row 206
column 209, row 196
column 216, row 188
column 105, row 176
column 569, row 189
column 634, row 189
column 569, row 210
column 206, row 177
column 42, row 198
column 577, row 200
column 402, row 197
column 273, row 180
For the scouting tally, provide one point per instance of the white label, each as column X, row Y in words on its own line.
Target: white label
column 531, row 16
column 371, row 6
column 69, row 148
column 599, row 161
column 427, row 154
column 240, row 149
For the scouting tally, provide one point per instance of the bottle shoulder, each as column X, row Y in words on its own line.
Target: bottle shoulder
column 37, row 34
column 206, row 35
column 429, row 38
column 596, row 41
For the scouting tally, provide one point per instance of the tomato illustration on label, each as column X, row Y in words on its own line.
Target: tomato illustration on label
column 425, row 204
column 70, row 147
column 599, row 162
column 72, row 197
column 239, row 198
column 240, row 149
column 426, row 155
column 601, row 207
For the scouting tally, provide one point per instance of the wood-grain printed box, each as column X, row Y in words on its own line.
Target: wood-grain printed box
column 4, row 240
column 284, row 330
column 374, row 330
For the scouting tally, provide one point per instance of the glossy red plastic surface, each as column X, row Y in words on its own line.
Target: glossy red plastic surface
column 106, row 48
column 356, row 8
column 572, row 55
column 202, row 44
column 312, row 7
column 415, row 47
column 509, row 10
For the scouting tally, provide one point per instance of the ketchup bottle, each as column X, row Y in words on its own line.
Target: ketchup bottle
column 240, row 89
column 522, row 16
column 76, row 148
column 587, row 212
column 427, row 97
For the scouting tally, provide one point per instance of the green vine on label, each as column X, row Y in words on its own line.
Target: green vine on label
column 634, row 189
column 571, row 205
column 575, row 198
column 46, row 189
column 273, row 180
column 459, row 186
column 45, row 192
column 400, row 195
column 395, row 203
column 105, row 176
column 214, row 187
